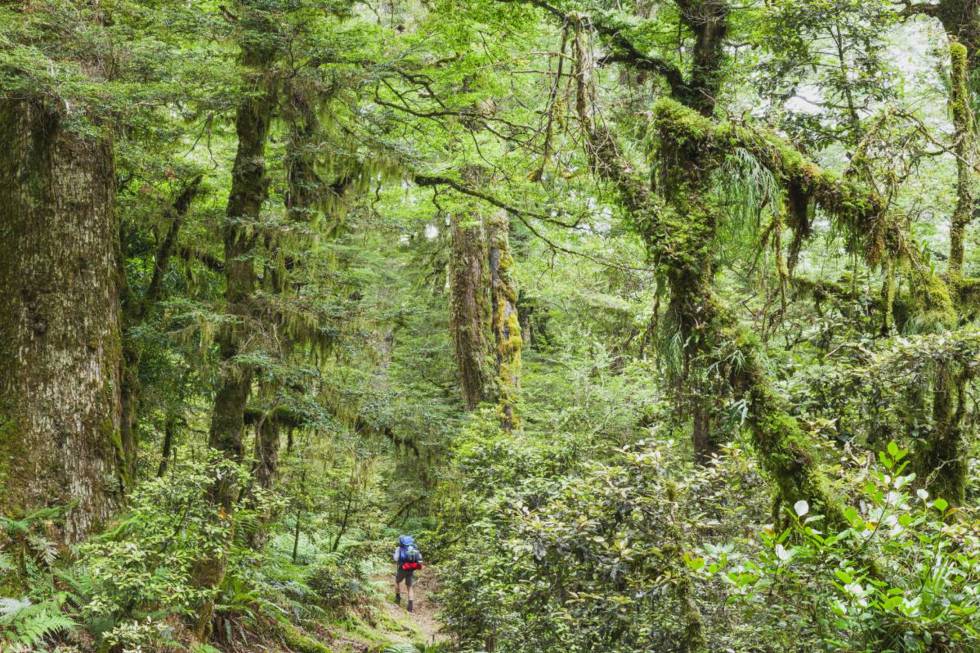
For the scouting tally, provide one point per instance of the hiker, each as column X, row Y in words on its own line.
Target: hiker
column 407, row 558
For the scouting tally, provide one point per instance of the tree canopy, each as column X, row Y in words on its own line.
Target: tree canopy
column 654, row 322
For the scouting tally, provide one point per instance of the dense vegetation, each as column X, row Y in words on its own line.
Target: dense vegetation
column 655, row 322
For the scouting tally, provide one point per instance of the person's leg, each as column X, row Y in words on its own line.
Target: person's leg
column 410, row 584
column 398, row 589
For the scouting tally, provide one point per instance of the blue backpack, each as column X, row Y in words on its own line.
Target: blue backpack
column 409, row 556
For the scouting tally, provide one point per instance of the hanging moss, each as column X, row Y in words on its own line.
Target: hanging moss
column 859, row 210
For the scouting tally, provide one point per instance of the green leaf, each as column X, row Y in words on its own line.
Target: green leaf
column 893, row 450
column 887, row 462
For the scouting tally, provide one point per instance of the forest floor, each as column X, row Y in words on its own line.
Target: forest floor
column 382, row 625
column 423, row 621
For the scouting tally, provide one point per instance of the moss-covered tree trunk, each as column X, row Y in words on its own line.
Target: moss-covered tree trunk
column 60, row 352
column 708, row 21
column 267, row 440
column 249, row 189
column 942, row 460
column 505, row 321
column 962, row 114
column 469, row 309
column 690, row 270
column 686, row 236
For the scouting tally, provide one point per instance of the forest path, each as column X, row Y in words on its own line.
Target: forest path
column 424, row 620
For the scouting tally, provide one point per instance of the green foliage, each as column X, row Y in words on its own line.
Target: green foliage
column 142, row 570
column 400, row 648
column 921, row 594
column 778, row 260
column 27, row 626
column 563, row 554
column 29, row 543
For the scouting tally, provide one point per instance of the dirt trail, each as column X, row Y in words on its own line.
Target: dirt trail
column 424, row 617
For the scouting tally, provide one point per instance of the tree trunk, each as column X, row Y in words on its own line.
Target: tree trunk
column 249, row 189
column 469, row 309
column 708, row 20
column 60, row 352
column 248, row 192
column 266, row 452
column 506, row 324
column 959, row 104
column 942, row 461
column 169, row 434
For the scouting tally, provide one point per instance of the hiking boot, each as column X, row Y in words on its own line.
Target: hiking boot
column 410, row 606
column 398, row 599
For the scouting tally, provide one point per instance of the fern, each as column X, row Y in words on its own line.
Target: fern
column 400, row 647
column 29, row 624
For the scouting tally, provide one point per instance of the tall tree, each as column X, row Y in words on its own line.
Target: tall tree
column 469, row 305
column 506, row 322
column 60, row 351
column 249, row 189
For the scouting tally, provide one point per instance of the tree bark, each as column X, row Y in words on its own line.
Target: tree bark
column 166, row 451
column 708, row 20
column 506, row 324
column 266, row 452
column 942, row 461
column 959, row 104
column 469, row 308
column 60, row 351
column 249, row 189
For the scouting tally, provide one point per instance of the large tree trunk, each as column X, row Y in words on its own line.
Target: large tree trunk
column 469, row 308
column 59, row 331
column 506, row 324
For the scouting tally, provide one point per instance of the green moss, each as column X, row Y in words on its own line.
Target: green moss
column 959, row 107
column 854, row 207
column 299, row 641
column 937, row 312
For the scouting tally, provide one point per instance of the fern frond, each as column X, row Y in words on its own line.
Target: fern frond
column 30, row 624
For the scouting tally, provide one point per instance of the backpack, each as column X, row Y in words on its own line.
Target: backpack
column 409, row 556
